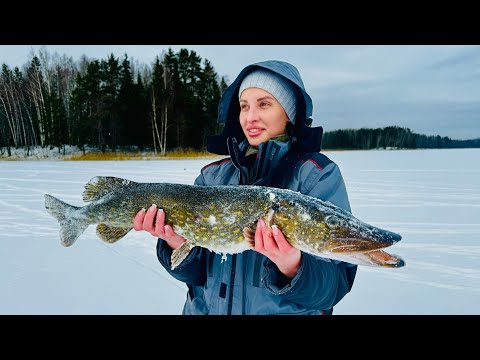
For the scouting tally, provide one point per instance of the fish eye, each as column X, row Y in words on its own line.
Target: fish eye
column 332, row 221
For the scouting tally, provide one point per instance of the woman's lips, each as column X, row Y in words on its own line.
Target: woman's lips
column 254, row 132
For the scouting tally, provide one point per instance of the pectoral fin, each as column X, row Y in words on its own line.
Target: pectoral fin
column 249, row 235
column 269, row 219
column 111, row 234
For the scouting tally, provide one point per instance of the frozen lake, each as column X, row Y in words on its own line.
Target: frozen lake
column 430, row 197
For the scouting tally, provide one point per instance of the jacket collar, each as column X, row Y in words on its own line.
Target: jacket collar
column 269, row 157
column 254, row 149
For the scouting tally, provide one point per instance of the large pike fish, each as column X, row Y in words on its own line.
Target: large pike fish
column 223, row 219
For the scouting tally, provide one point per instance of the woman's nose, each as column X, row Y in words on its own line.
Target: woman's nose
column 252, row 114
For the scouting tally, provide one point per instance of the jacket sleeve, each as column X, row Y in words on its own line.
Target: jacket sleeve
column 192, row 270
column 320, row 283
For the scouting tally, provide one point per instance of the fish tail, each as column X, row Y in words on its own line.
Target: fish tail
column 70, row 227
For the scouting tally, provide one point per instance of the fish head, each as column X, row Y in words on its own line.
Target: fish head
column 348, row 235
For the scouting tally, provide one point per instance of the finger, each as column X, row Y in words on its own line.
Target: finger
column 149, row 216
column 138, row 220
column 282, row 243
column 172, row 234
column 173, row 239
column 268, row 241
column 259, row 237
column 160, row 223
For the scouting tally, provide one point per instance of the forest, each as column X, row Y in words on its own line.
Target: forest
column 110, row 104
column 390, row 137
column 117, row 104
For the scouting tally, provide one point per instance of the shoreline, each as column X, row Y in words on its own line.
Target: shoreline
column 53, row 155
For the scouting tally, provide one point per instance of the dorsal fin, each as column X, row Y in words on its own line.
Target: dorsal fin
column 100, row 186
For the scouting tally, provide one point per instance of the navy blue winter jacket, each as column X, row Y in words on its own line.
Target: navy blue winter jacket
column 250, row 283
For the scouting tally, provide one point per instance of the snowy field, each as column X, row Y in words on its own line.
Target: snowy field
column 430, row 197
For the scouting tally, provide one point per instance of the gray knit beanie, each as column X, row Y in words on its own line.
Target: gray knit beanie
column 281, row 88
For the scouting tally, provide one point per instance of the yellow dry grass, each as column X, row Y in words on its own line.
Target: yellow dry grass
column 176, row 154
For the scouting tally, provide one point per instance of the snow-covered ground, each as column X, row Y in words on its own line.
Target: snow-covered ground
column 39, row 153
column 430, row 197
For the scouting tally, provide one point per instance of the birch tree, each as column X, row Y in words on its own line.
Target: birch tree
column 6, row 98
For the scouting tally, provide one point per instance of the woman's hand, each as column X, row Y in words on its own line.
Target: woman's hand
column 271, row 243
column 144, row 220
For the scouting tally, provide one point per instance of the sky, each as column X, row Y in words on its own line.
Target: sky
column 431, row 89
column 430, row 197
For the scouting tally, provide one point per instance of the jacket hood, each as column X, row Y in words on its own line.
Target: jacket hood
column 304, row 137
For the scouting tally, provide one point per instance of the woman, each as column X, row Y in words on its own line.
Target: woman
column 267, row 134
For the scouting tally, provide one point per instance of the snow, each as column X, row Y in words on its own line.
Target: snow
column 39, row 153
column 212, row 220
column 430, row 197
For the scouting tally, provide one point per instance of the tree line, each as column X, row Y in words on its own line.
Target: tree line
column 390, row 137
column 110, row 104
column 113, row 103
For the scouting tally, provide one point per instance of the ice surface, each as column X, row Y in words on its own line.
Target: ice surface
column 430, row 197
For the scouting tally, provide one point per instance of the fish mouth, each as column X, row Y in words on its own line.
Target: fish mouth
column 351, row 241
column 379, row 258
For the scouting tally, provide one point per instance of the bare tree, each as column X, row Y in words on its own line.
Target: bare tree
column 162, row 95
column 155, row 134
column 167, row 81
column 35, row 90
column 6, row 97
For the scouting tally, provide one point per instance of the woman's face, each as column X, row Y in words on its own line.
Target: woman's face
column 261, row 116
